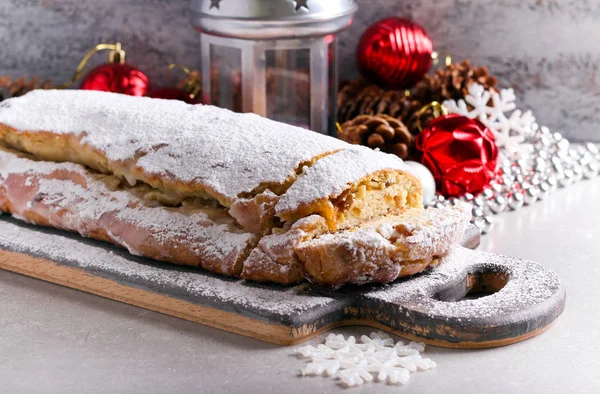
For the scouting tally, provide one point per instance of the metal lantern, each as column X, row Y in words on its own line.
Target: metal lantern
column 276, row 58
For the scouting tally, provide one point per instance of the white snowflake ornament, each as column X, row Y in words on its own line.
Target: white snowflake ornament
column 375, row 356
column 510, row 130
column 320, row 367
column 390, row 371
column 408, row 350
column 355, row 374
column 375, row 342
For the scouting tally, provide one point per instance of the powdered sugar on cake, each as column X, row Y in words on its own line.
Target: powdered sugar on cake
column 191, row 150
column 432, row 229
column 331, row 175
column 404, row 238
column 94, row 200
column 228, row 152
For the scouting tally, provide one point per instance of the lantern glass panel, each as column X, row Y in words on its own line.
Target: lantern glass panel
column 225, row 78
column 333, row 82
column 288, row 86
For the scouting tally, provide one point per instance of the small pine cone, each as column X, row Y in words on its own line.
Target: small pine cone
column 358, row 103
column 452, row 82
column 348, row 91
column 392, row 103
column 482, row 76
column 14, row 88
column 347, row 98
column 379, row 131
column 358, row 98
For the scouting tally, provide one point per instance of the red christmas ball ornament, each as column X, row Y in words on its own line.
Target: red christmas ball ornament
column 116, row 75
column 460, row 152
column 394, row 53
column 117, row 78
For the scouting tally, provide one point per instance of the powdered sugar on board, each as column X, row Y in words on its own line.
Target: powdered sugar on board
column 531, row 300
column 187, row 283
column 529, row 285
column 331, row 175
column 229, row 152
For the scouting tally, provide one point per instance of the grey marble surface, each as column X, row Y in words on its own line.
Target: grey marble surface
column 58, row 340
column 548, row 50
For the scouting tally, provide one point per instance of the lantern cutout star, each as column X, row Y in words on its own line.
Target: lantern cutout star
column 214, row 4
column 300, row 4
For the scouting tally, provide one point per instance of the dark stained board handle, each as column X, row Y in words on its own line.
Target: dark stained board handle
column 430, row 307
column 474, row 299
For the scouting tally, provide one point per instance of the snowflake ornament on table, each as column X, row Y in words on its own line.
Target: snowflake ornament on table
column 375, row 357
column 491, row 108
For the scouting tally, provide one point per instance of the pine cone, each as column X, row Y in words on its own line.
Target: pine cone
column 452, row 82
column 10, row 88
column 348, row 90
column 379, row 131
column 358, row 98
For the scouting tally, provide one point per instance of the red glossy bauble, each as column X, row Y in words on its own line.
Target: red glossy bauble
column 171, row 93
column 460, row 152
column 117, row 78
column 394, row 53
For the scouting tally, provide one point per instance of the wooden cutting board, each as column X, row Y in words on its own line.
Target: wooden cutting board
column 442, row 307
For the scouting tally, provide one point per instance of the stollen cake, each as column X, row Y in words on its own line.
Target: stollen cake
column 235, row 194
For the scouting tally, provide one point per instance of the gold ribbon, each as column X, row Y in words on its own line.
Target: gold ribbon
column 193, row 86
column 116, row 55
column 438, row 110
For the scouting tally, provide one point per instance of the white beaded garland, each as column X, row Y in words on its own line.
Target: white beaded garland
column 545, row 189
column 497, row 204
column 530, row 196
column 515, row 201
column 546, row 162
column 590, row 170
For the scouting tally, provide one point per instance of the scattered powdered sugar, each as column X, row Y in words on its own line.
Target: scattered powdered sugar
column 374, row 357
column 529, row 285
column 332, row 174
column 229, row 152
column 187, row 283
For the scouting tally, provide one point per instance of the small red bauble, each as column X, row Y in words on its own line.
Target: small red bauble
column 118, row 78
column 460, row 152
column 394, row 53
column 174, row 94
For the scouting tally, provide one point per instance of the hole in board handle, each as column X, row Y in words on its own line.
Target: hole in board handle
column 474, row 286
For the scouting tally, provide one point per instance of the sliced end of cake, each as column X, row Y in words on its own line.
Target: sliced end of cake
column 384, row 249
column 350, row 187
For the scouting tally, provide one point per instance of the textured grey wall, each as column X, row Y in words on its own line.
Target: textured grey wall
column 548, row 50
